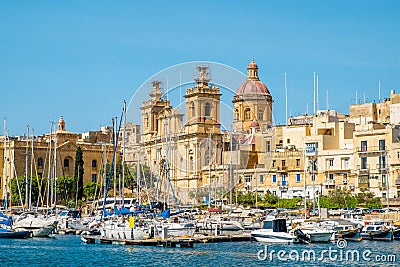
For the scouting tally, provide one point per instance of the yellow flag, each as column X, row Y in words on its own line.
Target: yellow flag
column 131, row 222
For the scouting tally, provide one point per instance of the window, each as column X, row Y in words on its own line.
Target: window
column 297, row 162
column 274, row 178
column 345, row 164
column 364, row 146
column 382, row 162
column 236, row 114
column 94, row 163
column 382, row 144
column 66, row 163
column 384, row 180
column 247, row 114
column 283, row 179
column 364, row 163
column 398, row 155
column 330, row 176
column 261, row 178
column 273, row 163
column 268, row 146
column 288, row 141
column 283, row 163
column 207, row 109
column 94, row 178
column 192, row 111
column 298, row 178
column 247, row 178
column 40, row 162
column 331, row 162
column 260, row 114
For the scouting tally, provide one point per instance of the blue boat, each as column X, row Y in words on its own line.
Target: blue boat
column 377, row 232
column 7, row 233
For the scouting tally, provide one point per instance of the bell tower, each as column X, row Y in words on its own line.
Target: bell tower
column 203, row 104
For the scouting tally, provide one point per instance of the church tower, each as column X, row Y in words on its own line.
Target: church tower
column 252, row 102
column 202, row 105
column 151, row 110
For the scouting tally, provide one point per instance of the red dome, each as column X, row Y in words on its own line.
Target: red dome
column 251, row 87
column 252, row 65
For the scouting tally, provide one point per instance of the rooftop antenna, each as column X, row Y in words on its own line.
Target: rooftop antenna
column 356, row 97
column 315, row 91
column 286, row 92
column 327, row 99
column 317, row 95
column 379, row 90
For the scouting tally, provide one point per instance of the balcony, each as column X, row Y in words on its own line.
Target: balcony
column 381, row 167
column 283, row 188
column 398, row 181
column 363, row 168
column 363, row 182
column 282, row 169
column 329, row 182
column 371, row 150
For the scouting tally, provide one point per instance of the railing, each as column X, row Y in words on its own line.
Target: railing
column 329, row 182
column 363, row 168
column 282, row 168
column 371, row 149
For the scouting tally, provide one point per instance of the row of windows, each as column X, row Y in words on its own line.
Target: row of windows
column 283, row 163
column 247, row 114
column 364, row 145
column 66, row 163
column 207, row 109
column 283, row 179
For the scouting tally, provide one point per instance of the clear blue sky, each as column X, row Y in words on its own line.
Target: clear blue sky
column 81, row 59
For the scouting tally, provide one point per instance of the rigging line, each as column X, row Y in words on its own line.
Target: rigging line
column 111, row 169
column 16, row 176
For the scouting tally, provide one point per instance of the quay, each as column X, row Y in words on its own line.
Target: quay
column 169, row 242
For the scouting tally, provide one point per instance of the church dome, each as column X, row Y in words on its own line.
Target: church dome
column 252, row 85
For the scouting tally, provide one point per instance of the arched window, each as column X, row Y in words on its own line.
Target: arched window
column 260, row 114
column 236, row 114
column 94, row 163
column 40, row 162
column 192, row 111
column 247, row 114
column 207, row 109
column 66, row 163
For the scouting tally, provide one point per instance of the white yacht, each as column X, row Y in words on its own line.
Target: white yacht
column 274, row 231
column 39, row 226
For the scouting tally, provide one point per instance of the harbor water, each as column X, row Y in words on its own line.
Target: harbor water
column 69, row 250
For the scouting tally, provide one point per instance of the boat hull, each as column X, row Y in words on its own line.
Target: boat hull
column 15, row 234
column 273, row 237
column 378, row 236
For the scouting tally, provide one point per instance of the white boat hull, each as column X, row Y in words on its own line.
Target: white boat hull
column 273, row 237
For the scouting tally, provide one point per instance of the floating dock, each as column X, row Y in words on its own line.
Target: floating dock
column 169, row 242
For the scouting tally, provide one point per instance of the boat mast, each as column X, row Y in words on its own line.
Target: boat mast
column 138, row 179
column 55, row 167
column 49, row 170
column 115, row 161
column 230, row 170
column 26, row 167
column 32, row 162
column 123, row 156
column 5, row 194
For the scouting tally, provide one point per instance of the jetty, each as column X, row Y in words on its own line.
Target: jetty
column 182, row 242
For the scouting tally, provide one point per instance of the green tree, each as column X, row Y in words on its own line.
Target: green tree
column 66, row 190
column 89, row 190
column 15, row 198
column 79, row 171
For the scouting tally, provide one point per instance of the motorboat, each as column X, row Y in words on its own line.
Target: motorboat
column 316, row 233
column 274, row 231
column 9, row 233
column 39, row 226
column 348, row 232
column 379, row 232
